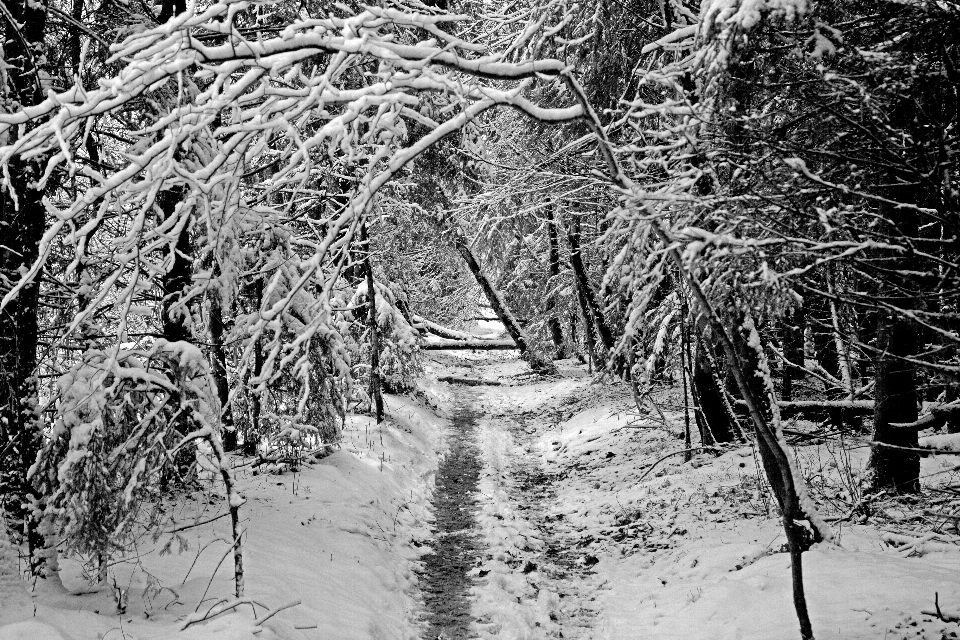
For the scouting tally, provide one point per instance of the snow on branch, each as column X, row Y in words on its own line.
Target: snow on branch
column 268, row 97
column 935, row 418
column 243, row 131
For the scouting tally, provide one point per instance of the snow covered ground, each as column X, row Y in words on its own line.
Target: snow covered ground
column 341, row 535
column 589, row 529
column 681, row 549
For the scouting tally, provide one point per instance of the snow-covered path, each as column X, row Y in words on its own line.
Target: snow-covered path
column 593, row 528
column 568, row 515
column 444, row 581
column 528, row 578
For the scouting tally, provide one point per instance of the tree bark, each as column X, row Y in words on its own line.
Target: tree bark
column 252, row 432
column 588, row 328
column 474, row 345
column 175, row 325
column 376, row 394
column 895, row 384
column 178, row 276
column 770, row 453
column 895, row 395
column 219, row 369
column 553, row 263
column 595, row 312
column 171, row 8
column 22, row 224
column 713, row 419
column 793, row 326
column 422, row 324
column 686, row 368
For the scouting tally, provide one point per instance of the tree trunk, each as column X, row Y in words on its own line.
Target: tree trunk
column 572, row 327
column 472, row 345
column 21, row 227
column 895, row 395
column 178, row 276
column 537, row 362
column 376, row 394
column 770, row 453
column 793, row 326
column 22, row 224
column 251, row 434
column 170, row 9
column 713, row 419
column 176, row 327
column 828, row 357
column 595, row 312
column 686, row 369
column 952, row 394
column 588, row 329
column 219, row 369
column 76, row 12
column 895, row 384
column 553, row 262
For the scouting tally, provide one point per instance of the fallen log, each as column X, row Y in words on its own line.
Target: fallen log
column 481, row 345
column 855, row 407
column 444, row 332
column 470, row 382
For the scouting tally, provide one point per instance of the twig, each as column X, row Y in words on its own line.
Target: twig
column 227, row 606
column 197, row 557
column 675, row 453
column 197, row 524
column 656, row 406
column 398, row 515
column 907, row 545
column 222, row 558
column 943, row 617
column 273, row 612
column 269, row 458
column 921, row 450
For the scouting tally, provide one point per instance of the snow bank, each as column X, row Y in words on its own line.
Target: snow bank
column 707, row 559
column 341, row 535
column 695, row 551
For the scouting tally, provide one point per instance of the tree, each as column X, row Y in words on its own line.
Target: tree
column 22, row 223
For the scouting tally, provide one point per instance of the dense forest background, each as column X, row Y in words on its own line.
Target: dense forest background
column 224, row 225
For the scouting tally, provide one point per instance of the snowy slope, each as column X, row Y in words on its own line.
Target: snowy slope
column 694, row 550
column 340, row 535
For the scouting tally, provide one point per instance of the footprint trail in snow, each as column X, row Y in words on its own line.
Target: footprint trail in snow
column 444, row 580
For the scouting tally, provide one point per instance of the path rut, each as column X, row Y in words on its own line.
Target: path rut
column 444, row 582
column 457, row 546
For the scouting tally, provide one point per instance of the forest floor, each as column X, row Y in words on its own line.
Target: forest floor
column 594, row 530
column 523, row 508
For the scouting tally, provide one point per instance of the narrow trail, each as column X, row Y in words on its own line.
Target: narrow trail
column 444, row 582
column 458, row 562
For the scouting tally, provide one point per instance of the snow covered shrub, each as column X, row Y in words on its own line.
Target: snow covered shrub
column 399, row 352
column 122, row 415
column 294, row 357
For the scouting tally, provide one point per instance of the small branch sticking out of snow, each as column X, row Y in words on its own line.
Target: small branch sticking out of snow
column 675, row 453
column 944, row 617
column 275, row 611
